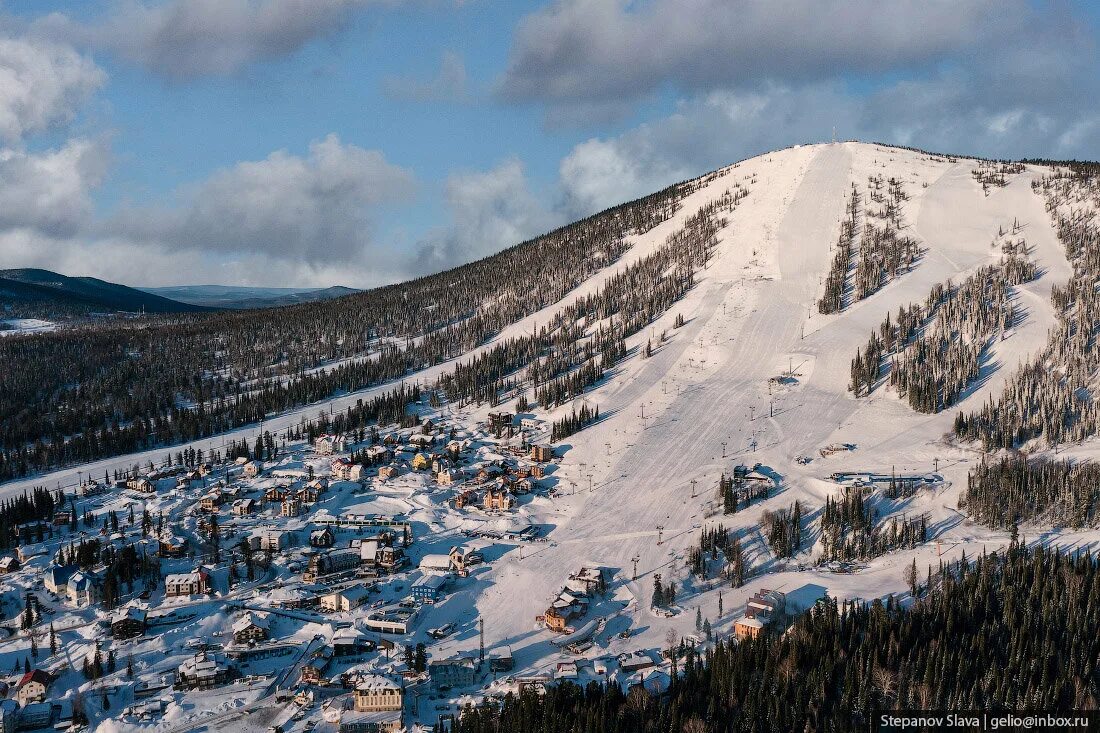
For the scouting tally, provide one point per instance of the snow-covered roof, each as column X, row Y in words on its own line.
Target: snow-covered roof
column 376, row 683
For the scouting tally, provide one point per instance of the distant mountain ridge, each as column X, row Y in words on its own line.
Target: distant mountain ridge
column 47, row 289
column 239, row 297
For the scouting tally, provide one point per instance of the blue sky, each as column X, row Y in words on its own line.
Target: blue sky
column 357, row 142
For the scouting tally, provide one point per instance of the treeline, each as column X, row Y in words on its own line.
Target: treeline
column 1052, row 398
column 836, row 282
column 581, row 340
column 24, row 518
column 993, row 174
column 718, row 546
column 848, row 530
column 87, row 393
column 784, row 530
column 1012, row 632
column 1002, row 493
column 936, row 348
column 884, row 253
column 573, row 423
column 738, row 493
column 389, row 407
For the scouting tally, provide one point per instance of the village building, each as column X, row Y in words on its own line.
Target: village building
column 542, row 453
column 8, row 564
column 452, row 672
column 591, row 578
column 376, row 693
column 141, row 485
column 313, row 671
column 172, row 546
column 346, row 599
column 326, row 445
column 421, row 462
column 83, row 588
column 390, row 559
column 436, row 563
column 496, row 500
column 250, row 628
column 349, row 642
column 379, row 454
column 275, row 494
column 308, row 494
column 187, row 584
column 462, row 558
column 202, row 671
column 393, row 620
column 211, row 500
column 244, row 507
column 333, row 561
column 127, row 623
column 291, row 507
column 33, row 686
column 500, row 420
column 465, row 498
column 748, row 627
column 448, row 476
column 343, row 469
column 323, row 537
column 252, row 469
column 428, row 588
column 500, row 659
column 388, row 472
column 270, row 540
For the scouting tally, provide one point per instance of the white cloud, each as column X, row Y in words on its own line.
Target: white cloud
column 597, row 51
column 299, row 208
column 182, row 39
column 50, row 192
column 489, row 210
column 41, row 86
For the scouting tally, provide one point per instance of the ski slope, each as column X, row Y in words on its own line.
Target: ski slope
column 702, row 403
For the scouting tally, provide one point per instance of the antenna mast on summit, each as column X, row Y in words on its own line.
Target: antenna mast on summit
column 834, row 133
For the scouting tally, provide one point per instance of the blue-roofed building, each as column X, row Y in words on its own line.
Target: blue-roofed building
column 428, row 588
column 57, row 578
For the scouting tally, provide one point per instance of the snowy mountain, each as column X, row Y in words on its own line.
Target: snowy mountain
column 46, row 289
column 780, row 352
column 241, row 297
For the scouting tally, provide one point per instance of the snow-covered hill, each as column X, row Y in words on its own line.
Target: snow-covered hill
column 754, row 375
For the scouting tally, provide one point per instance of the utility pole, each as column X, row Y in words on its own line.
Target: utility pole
column 752, row 413
column 590, row 483
column 723, row 449
column 635, row 561
column 693, row 482
column 608, row 448
column 481, row 651
column 660, row 533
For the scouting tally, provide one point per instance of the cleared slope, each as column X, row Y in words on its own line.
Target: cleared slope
column 749, row 318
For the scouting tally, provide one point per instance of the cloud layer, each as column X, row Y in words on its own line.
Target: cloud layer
column 41, row 85
column 308, row 208
column 184, row 39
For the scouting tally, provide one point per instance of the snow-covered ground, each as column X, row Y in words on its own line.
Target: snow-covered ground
column 13, row 326
column 636, row 489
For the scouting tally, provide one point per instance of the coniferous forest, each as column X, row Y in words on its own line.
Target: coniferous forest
column 1051, row 399
column 1003, row 493
column 126, row 385
column 1006, row 632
